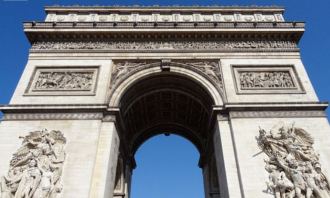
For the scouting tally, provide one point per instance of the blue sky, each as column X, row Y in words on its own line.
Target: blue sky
column 167, row 166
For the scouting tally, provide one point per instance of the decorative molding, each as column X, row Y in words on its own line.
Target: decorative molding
column 122, row 69
column 63, row 81
column 222, row 45
column 293, row 165
column 266, row 79
column 178, row 16
column 222, row 117
column 109, row 118
column 276, row 114
column 53, row 116
column 36, row 167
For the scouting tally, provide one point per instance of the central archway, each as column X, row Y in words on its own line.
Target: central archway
column 167, row 167
column 166, row 102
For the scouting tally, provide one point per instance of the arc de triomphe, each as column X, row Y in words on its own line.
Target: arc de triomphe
column 100, row 81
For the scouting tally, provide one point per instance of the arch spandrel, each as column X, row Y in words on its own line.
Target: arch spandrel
column 196, row 71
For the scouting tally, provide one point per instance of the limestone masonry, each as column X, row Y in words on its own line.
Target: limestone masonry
column 102, row 80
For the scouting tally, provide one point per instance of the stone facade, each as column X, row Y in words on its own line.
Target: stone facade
column 106, row 79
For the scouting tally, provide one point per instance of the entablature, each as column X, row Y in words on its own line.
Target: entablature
column 163, row 35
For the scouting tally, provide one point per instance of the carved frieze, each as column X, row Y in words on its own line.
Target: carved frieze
column 67, row 81
column 167, row 45
column 36, row 167
column 266, row 79
column 293, row 165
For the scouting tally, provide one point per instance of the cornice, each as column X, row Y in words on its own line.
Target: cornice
column 157, row 8
column 105, row 109
column 52, row 108
column 273, row 106
column 164, row 25
column 148, row 31
column 277, row 114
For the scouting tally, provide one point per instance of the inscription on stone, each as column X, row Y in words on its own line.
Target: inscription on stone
column 293, row 165
column 36, row 167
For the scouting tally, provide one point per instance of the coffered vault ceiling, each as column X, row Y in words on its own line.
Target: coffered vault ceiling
column 166, row 103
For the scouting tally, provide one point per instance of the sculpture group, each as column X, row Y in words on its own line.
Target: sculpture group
column 36, row 168
column 64, row 80
column 266, row 80
column 293, row 165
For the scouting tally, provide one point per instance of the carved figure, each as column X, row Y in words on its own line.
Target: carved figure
column 122, row 68
column 272, row 79
column 158, row 45
column 64, row 80
column 293, row 165
column 210, row 68
column 36, row 167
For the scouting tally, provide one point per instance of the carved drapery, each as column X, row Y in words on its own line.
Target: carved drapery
column 293, row 165
column 167, row 45
column 36, row 168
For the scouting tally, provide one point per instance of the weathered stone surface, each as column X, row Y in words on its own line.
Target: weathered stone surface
column 110, row 78
column 36, row 168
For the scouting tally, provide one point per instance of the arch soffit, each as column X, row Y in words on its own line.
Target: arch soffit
column 205, row 82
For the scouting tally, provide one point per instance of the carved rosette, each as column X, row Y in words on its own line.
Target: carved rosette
column 293, row 165
column 36, row 167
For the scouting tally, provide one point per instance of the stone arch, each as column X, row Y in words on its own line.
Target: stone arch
column 166, row 97
column 119, row 86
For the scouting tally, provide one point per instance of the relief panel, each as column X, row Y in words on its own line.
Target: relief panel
column 35, row 169
column 293, row 164
column 266, row 79
column 63, row 81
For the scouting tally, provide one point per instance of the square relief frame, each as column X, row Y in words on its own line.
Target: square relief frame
column 63, row 80
column 266, row 79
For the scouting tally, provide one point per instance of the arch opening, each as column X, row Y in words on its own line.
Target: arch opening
column 165, row 103
column 167, row 162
